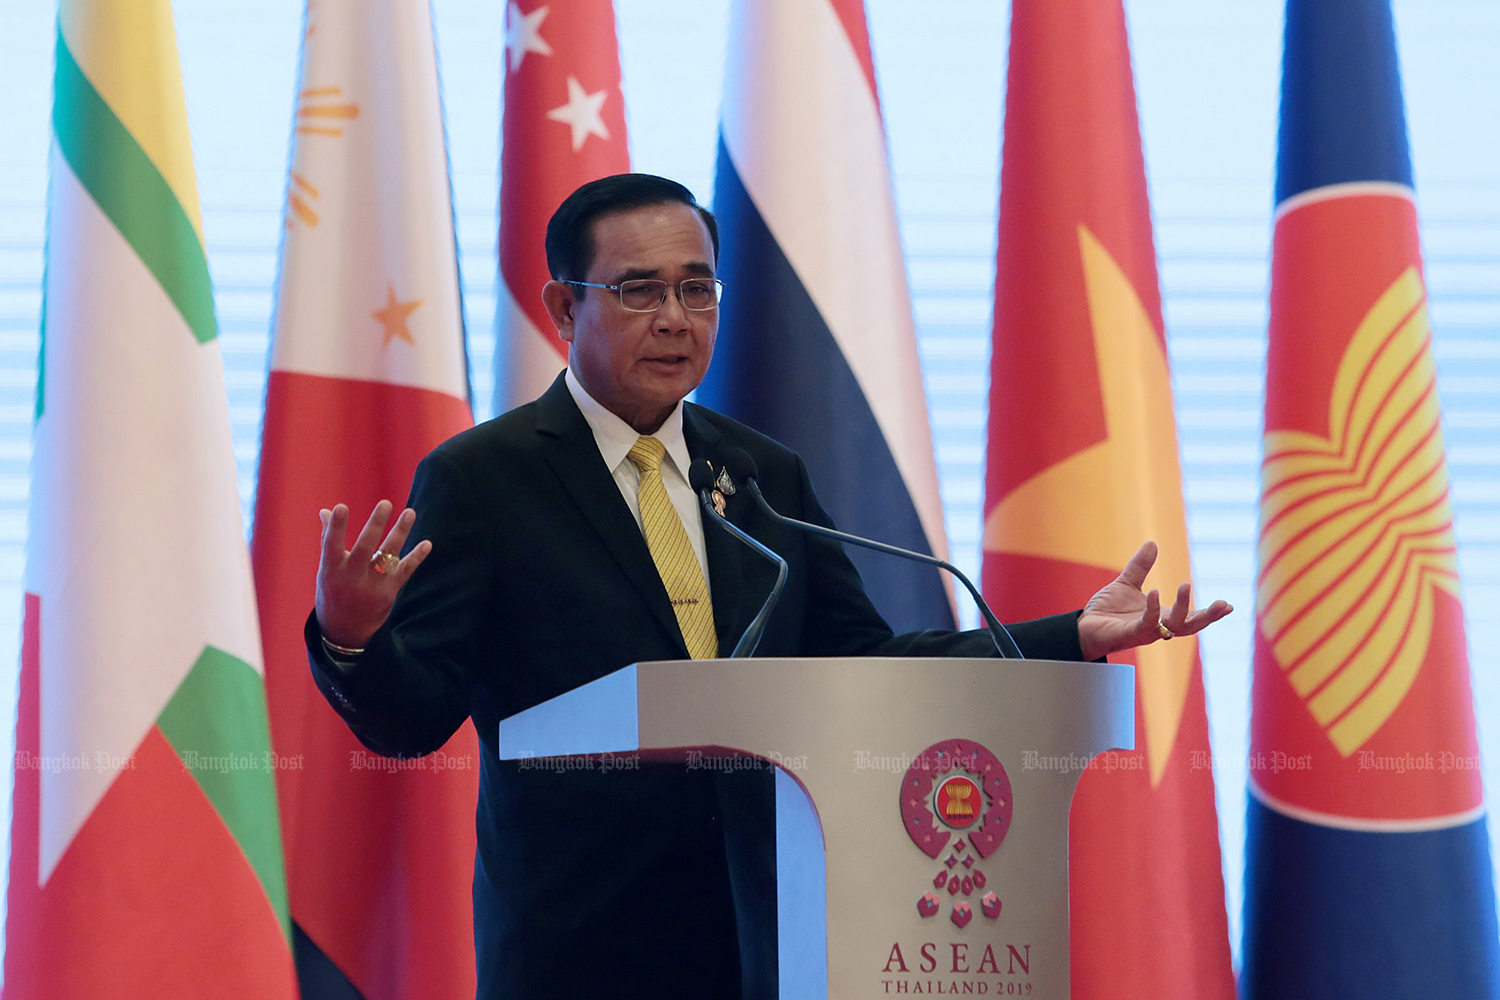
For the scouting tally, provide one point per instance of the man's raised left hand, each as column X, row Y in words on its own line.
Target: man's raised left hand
column 1121, row 617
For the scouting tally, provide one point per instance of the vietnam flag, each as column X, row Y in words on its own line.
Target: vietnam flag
column 564, row 125
column 1083, row 467
column 367, row 375
column 145, row 852
column 1368, row 864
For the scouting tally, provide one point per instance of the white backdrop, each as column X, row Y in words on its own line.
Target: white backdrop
column 1207, row 74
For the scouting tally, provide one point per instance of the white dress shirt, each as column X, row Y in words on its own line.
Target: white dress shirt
column 615, row 438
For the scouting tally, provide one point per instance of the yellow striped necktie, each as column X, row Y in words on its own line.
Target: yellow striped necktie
column 673, row 553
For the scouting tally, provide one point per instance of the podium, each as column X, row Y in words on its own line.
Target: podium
column 921, row 804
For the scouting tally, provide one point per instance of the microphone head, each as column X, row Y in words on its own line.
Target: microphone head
column 740, row 464
column 701, row 475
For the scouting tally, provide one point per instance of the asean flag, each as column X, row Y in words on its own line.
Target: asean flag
column 1368, row 867
column 1083, row 467
column 368, row 374
column 564, row 125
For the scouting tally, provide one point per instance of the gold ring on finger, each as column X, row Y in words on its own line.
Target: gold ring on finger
column 1166, row 633
column 384, row 562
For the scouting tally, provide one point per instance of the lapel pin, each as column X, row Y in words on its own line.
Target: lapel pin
column 718, row 499
column 725, row 485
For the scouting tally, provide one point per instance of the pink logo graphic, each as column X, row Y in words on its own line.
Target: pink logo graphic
column 955, row 790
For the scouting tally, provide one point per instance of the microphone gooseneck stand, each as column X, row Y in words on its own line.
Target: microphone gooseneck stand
column 701, row 478
column 742, row 466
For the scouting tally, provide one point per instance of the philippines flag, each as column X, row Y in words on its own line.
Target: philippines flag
column 368, row 374
column 564, row 125
column 1083, row 468
column 1368, row 869
column 816, row 343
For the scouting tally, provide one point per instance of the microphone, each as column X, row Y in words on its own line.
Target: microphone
column 742, row 466
column 701, row 478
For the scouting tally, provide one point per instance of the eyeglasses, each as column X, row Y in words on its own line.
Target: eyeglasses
column 643, row 295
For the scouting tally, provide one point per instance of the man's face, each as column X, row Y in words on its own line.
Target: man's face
column 639, row 365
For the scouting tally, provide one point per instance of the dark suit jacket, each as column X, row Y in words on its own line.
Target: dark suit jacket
column 539, row 581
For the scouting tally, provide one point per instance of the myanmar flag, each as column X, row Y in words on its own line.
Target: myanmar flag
column 1368, row 866
column 1082, row 469
column 145, row 851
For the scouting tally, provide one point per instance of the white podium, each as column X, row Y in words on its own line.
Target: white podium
column 921, row 805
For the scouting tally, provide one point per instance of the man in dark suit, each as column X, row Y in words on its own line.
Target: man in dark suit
column 565, row 543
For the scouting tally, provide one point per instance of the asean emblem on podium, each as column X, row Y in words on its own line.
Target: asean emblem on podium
column 956, row 801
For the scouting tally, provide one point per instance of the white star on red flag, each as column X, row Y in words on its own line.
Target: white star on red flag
column 523, row 34
column 581, row 113
column 542, row 164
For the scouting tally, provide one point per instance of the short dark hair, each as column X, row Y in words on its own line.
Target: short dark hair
column 570, row 231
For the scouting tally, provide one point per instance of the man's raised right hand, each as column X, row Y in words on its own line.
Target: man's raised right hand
column 354, row 596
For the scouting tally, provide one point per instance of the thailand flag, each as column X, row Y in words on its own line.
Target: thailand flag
column 816, row 343
column 1368, row 869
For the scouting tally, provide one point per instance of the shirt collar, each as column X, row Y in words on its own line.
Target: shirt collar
column 615, row 437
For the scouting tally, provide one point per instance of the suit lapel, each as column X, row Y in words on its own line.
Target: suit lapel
column 574, row 457
column 726, row 567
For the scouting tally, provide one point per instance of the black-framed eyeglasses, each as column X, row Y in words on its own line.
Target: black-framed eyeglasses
column 643, row 295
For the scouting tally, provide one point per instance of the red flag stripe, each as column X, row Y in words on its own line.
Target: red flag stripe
column 851, row 14
column 378, row 861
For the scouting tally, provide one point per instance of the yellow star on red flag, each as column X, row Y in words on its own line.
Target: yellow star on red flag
column 393, row 317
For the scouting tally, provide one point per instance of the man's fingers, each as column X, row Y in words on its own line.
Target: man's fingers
column 369, row 535
column 1176, row 619
column 335, row 524
column 411, row 561
column 1204, row 617
column 1151, row 615
column 397, row 535
column 1134, row 573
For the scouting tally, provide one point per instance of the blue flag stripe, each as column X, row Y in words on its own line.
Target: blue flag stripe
column 778, row 368
column 1341, row 110
column 1333, row 913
